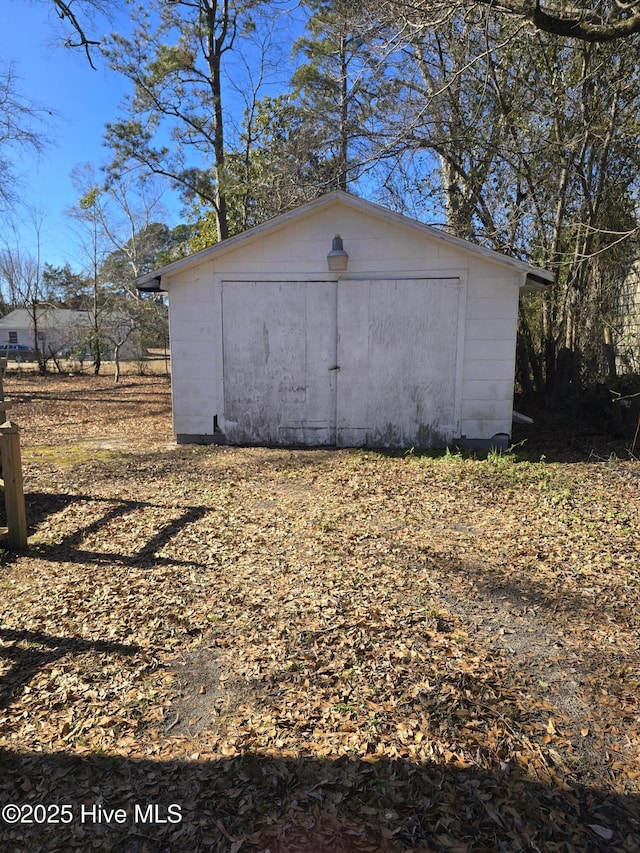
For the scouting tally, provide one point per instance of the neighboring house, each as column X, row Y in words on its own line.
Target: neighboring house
column 404, row 338
column 62, row 331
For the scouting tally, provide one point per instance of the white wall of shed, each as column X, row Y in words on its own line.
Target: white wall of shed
column 377, row 249
column 195, row 334
column 490, row 346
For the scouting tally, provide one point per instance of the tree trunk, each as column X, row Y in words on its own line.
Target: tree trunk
column 344, row 115
column 216, row 45
column 534, row 366
column 116, row 356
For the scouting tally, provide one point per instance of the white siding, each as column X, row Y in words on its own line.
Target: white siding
column 487, row 389
column 489, row 365
column 492, row 308
column 489, row 329
column 192, row 323
column 488, row 370
column 483, row 429
column 488, row 350
column 372, row 245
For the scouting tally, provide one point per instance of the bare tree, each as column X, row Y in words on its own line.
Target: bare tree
column 586, row 20
column 90, row 215
column 121, row 237
column 117, row 332
column 22, row 282
column 546, row 172
column 22, row 126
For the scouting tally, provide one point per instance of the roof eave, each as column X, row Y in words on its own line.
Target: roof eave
column 150, row 285
column 537, row 281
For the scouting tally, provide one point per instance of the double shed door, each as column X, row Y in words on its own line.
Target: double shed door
column 348, row 363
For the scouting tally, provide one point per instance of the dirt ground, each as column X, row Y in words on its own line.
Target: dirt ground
column 214, row 648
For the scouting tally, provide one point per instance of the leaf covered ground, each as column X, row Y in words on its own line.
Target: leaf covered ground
column 312, row 650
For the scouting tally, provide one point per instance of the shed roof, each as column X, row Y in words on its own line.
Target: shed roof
column 533, row 277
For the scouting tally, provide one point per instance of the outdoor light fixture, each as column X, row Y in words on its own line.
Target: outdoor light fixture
column 337, row 259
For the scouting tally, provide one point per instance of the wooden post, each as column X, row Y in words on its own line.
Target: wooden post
column 13, row 486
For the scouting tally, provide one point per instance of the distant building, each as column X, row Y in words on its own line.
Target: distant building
column 65, row 332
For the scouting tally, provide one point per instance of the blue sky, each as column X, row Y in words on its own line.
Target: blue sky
column 82, row 100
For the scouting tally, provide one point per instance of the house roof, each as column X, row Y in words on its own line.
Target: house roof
column 50, row 317
column 21, row 318
column 535, row 278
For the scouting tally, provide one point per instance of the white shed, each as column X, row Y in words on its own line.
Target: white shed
column 405, row 337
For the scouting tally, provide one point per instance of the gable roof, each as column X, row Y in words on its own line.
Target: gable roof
column 47, row 316
column 152, row 281
column 50, row 317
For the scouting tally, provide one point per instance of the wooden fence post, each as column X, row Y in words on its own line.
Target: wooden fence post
column 13, row 486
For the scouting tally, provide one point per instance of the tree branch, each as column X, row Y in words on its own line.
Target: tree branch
column 586, row 20
column 579, row 21
column 65, row 12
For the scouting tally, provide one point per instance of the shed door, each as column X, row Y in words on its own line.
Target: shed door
column 351, row 363
column 397, row 354
column 279, row 348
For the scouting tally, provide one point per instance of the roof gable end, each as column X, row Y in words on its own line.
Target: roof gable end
column 152, row 281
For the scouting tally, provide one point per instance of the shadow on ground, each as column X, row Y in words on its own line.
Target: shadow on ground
column 68, row 548
column 256, row 802
column 31, row 651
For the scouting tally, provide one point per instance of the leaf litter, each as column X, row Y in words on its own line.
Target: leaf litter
column 314, row 650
